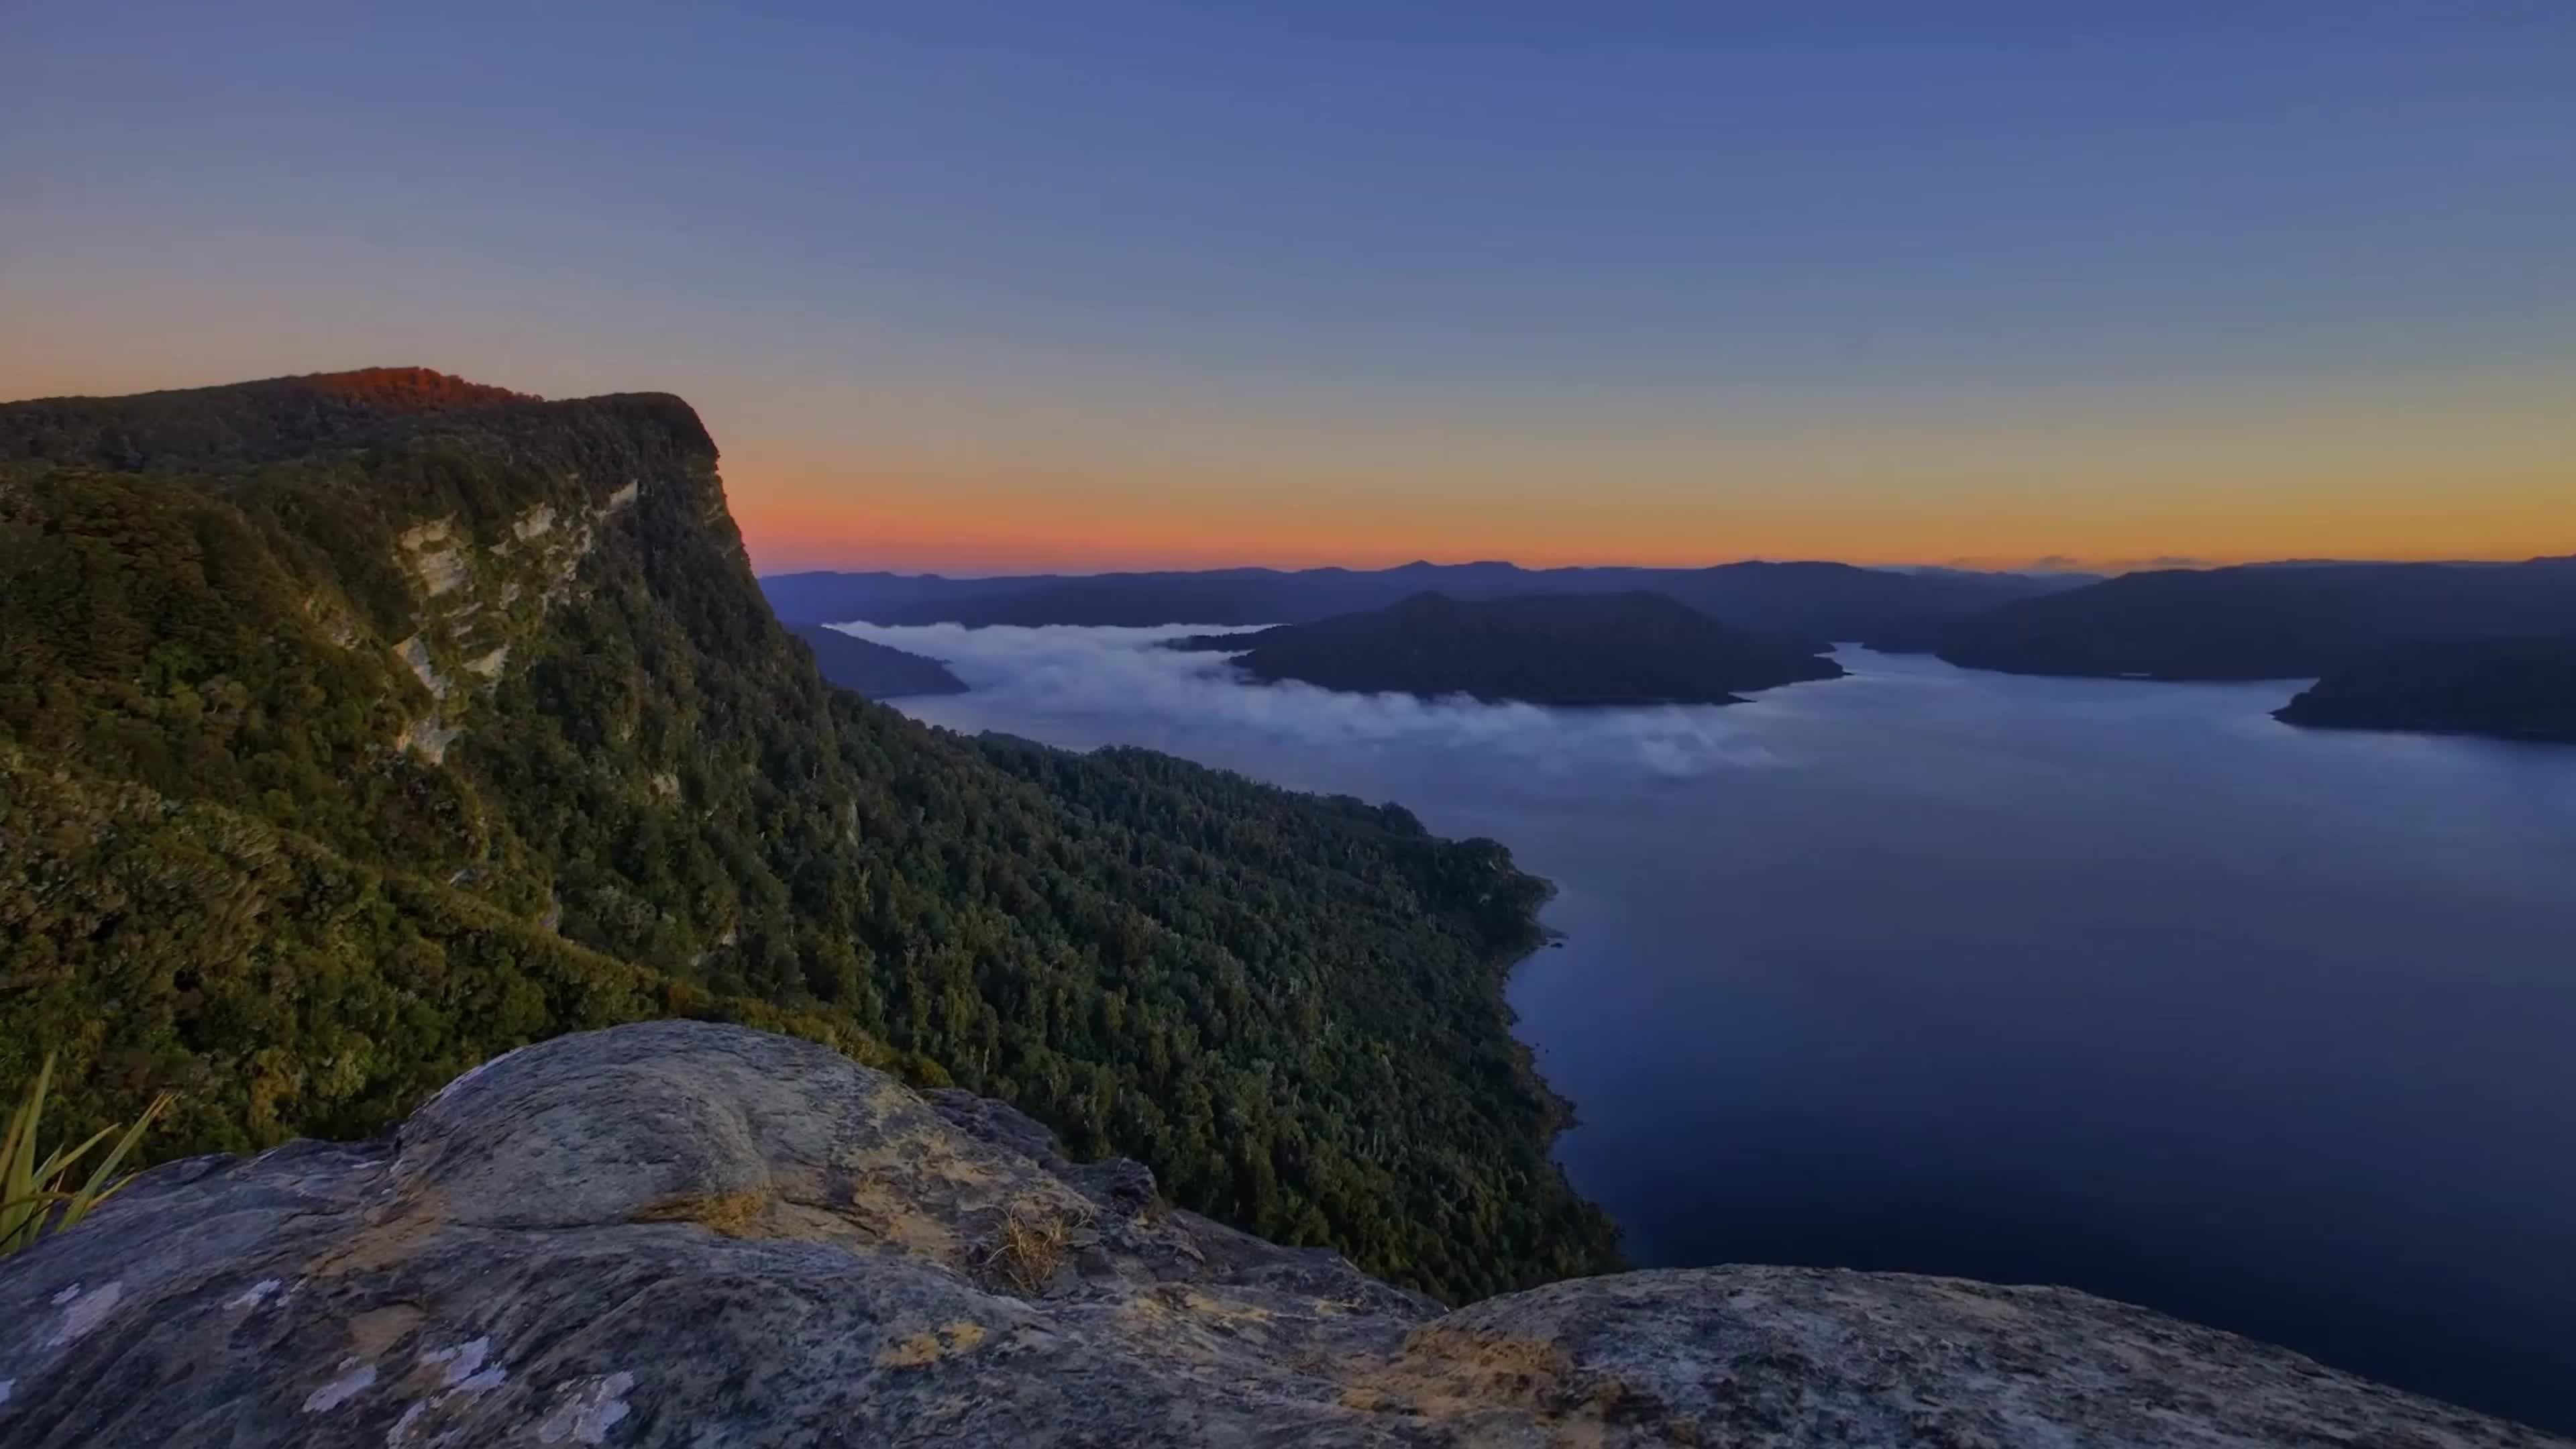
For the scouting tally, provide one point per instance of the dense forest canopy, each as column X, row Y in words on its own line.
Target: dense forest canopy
column 354, row 729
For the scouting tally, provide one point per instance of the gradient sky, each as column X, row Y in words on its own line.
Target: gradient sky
column 1083, row 285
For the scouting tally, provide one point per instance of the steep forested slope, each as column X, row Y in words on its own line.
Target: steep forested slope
column 354, row 728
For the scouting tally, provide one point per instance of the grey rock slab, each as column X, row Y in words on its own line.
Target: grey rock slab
column 686, row 1234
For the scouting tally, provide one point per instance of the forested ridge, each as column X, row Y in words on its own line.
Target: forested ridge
column 354, row 729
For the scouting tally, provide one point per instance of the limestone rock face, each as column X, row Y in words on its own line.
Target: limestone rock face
column 693, row 1235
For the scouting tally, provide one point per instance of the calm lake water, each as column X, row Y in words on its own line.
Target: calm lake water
column 2117, row 985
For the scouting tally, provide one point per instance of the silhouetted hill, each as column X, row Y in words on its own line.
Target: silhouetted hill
column 2268, row 621
column 2515, row 689
column 879, row 671
column 1556, row 649
column 356, row 729
column 1818, row 600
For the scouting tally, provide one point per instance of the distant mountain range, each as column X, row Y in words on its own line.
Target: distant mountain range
column 879, row 671
column 2516, row 689
column 2263, row 621
column 1829, row 601
column 1555, row 649
column 2388, row 641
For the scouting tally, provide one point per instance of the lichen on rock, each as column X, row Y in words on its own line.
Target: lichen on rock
column 681, row 1233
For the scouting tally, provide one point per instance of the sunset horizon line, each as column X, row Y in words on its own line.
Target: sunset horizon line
column 2043, row 564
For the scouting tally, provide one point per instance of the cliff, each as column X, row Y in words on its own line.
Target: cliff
column 681, row 1234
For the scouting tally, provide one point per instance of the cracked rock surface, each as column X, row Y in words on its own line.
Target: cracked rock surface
column 686, row 1234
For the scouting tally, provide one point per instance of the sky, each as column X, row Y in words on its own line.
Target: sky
column 989, row 287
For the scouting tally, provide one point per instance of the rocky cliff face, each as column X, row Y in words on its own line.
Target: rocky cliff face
column 686, row 1234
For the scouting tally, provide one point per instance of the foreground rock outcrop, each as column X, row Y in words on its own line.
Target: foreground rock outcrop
column 686, row 1234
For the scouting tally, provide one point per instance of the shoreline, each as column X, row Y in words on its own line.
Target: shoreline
column 1558, row 1114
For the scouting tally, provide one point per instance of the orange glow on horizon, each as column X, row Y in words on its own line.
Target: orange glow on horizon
column 933, row 519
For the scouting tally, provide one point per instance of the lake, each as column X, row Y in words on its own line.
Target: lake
column 2118, row 985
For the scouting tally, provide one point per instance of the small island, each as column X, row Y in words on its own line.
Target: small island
column 2512, row 689
column 1552, row 649
column 879, row 671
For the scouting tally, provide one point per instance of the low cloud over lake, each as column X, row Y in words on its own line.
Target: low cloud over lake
column 1063, row 670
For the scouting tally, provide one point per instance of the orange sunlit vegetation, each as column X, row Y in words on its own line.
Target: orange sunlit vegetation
column 411, row 388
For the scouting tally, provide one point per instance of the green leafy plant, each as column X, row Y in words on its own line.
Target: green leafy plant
column 30, row 1190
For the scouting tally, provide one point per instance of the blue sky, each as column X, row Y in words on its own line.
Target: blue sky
column 1016, row 284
